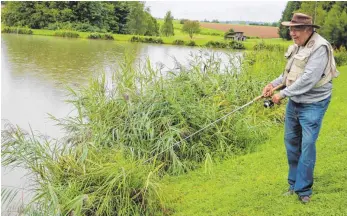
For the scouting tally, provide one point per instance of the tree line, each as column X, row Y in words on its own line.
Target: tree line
column 330, row 15
column 119, row 17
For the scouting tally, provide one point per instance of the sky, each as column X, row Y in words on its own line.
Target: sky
column 261, row 11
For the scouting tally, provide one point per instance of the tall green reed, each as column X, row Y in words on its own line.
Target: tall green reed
column 122, row 138
column 147, row 113
column 74, row 180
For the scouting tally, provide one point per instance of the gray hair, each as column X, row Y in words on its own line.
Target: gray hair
column 309, row 28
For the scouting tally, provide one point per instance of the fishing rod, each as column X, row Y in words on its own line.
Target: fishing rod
column 267, row 104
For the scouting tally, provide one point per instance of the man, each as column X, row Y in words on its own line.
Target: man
column 307, row 77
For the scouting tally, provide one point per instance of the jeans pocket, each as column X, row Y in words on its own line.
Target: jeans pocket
column 324, row 103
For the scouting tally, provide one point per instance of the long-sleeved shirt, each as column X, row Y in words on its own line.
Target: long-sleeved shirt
column 303, row 90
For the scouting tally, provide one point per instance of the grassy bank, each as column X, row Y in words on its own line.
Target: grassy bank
column 199, row 39
column 253, row 184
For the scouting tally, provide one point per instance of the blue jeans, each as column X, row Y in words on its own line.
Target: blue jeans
column 302, row 125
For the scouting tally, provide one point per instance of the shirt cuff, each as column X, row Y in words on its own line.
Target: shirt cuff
column 282, row 94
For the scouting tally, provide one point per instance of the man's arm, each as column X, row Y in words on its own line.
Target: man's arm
column 277, row 81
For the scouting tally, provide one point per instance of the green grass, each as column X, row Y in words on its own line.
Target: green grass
column 253, row 184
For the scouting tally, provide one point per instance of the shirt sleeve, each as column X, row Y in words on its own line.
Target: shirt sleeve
column 313, row 72
column 277, row 81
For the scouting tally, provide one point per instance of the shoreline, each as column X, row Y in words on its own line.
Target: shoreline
column 200, row 40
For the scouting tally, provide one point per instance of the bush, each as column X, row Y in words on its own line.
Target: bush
column 178, row 42
column 211, row 33
column 231, row 45
column 236, row 45
column 69, row 34
column 191, row 43
column 146, row 40
column 216, row 44
column 85, row 27
column 270, row 47
column 16, row 30
column 60, row 26
column 341, row 56
column 54, row 26
column 108, row 36
column 101, row 36
column 94, row 36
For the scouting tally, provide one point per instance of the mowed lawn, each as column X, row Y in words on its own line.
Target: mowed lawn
column 253, row 184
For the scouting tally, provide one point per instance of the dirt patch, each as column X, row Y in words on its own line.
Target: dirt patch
column 250, row 31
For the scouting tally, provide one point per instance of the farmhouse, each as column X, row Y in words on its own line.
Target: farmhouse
column 236, row 36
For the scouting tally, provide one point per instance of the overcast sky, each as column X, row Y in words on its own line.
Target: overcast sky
column 266, row 11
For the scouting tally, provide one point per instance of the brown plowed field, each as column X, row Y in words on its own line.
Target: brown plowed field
column 249, row 30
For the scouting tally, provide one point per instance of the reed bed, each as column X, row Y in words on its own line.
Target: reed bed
column 16, row 30
column 125, row 137
column 69, row 34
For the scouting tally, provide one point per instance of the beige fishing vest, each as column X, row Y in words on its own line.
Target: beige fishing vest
column 297, row 60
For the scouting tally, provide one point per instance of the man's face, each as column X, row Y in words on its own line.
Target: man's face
column 299, row 34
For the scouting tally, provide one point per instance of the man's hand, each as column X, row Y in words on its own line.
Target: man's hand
column 268, row 90
column 276, row 98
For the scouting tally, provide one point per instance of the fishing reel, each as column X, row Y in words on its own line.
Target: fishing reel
column 268, row 103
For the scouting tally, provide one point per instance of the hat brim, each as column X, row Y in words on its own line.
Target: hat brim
column 299, row 24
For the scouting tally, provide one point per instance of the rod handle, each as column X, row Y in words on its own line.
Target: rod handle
column 274, row 89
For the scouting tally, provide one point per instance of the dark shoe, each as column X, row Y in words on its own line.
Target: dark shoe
column 304, row 199
column 288, row 193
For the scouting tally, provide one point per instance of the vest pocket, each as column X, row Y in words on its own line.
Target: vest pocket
column 300, row 61
column 291, row 77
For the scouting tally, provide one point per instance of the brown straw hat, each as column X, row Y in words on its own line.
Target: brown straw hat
column 300, row 19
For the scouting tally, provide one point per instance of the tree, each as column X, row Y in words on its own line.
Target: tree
column 228, row 32
column 332, row 17
column 152, row 26
column 315, row 10
column 182, row 21
column 136, row 20
column 191, row 27
column 335, row 28
column 167, row 28
column 286, row 16
column 102, row 16
column 121, row 11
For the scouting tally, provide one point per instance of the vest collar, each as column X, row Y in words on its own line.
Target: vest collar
column 308, row 39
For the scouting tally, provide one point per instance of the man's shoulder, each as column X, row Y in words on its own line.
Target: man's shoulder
column 291, row 49
column 317, row 42
column 320, row 40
